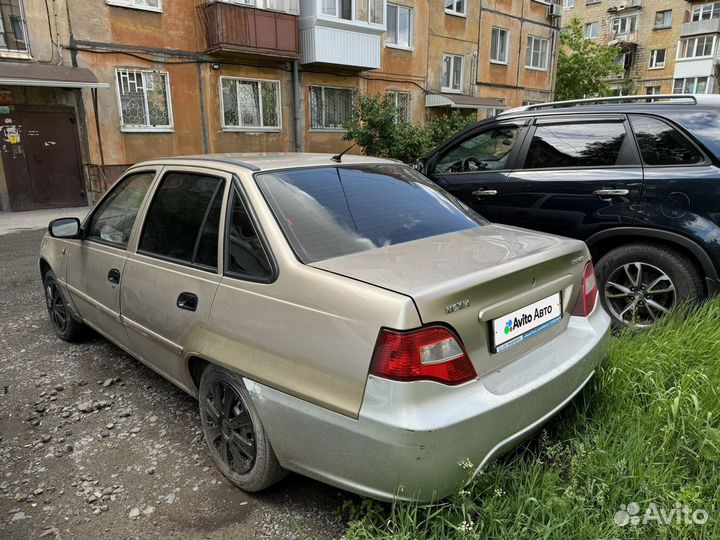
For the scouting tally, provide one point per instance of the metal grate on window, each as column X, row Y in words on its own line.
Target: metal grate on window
column 249, row 103
column 331, row 108
column 13, row 33
column 144, row 100
column 401, row 100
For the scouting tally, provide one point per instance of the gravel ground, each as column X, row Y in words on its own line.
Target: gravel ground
column 95, row 445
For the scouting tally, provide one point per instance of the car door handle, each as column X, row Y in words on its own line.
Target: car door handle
column 188, row 301
column 611, row 192
column 485, row 192
column 114, row 276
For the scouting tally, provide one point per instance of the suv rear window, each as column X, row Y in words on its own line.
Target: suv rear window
column 327, row 212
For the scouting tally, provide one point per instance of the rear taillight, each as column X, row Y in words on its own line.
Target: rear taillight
column 432, row 353
column 588, row 293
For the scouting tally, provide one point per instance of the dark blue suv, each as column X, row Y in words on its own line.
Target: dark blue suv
column 637, row 178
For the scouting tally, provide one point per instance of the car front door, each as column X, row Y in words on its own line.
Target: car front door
column 97, row 261
column 475, row 166
column 578, row 174
column 171, row 277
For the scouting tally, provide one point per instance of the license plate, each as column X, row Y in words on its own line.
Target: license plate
column 525, row 322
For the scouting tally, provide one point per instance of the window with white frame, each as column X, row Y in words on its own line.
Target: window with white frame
column 567, row 4
column 705, row 12
column 366, row 11
column 663, row 19
column 592, row 29
column 653, row 90
column 691, row 85
column 401, row 100
column 624, row 25
column 151, row 5
column 452, row 73
column 536, row 54
column 657, row 59
column 399, row 26
column 331, row 108
column 499, row 45
column 13, row 32
column 455, row 7
column 696, row 47
column 250, row 104
column 144, row 97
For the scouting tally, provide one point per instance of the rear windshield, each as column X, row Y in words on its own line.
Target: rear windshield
column 327, row 212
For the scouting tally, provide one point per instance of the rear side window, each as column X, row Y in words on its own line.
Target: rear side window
column 183, row 220
column 662, row 144
column 113, row 220
column 332, row 211
column 575, row 145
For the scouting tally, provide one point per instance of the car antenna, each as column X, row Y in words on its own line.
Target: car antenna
column 338, row 157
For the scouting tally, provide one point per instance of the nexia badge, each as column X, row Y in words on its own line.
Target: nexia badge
column 452, row 308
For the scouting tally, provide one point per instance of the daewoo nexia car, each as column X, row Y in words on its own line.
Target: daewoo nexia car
column 343, row 317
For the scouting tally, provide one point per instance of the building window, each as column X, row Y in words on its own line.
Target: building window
column 663, row 19
column 657, row 59
column 691, row 85
column 529, row 102
column 706, row 12
column 567, row 4
column 150, row 5
column 499, row 45
column 144, row 97
column 696, row 47
column 592, row 29
column 455, row 7
column 399, row 26
column 591, row 2
column 331, row 108
column 250, row 104
column 366, row 11
column 624, row 25
column 401, row 100
column 653, row 90
column 536, row 55
column 13, row 33
column 452, row 74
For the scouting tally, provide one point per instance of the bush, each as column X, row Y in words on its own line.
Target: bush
column 374, row 128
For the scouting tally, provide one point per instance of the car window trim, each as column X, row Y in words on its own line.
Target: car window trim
column 173, row 260
column 85, row 235
column 236, row 188
column 706, row 160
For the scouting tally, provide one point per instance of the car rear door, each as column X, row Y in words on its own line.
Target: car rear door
column 171, row 278
column 577, row 174
column 475, row 165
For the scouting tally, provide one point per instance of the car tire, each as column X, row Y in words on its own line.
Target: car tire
column 64, row 324
column 234, row 432
column 653, row 278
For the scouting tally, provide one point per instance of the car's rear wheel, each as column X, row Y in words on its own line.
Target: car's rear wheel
column 639, row 283
column 234, row 433
column 63, row 323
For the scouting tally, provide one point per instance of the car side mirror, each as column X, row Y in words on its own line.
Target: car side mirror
column 65, row 228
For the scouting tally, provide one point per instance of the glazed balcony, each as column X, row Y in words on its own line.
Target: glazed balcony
column 232, row 28
column 695, row 28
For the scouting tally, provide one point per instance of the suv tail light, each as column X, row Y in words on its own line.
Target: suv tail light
column 588, row 293
column 432, row 353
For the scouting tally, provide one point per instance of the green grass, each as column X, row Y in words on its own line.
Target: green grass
column 646, row 431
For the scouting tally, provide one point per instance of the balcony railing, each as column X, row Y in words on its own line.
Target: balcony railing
column 233, row 28
column 711, row 26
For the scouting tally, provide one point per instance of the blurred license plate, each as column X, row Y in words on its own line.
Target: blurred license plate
column 525, row 322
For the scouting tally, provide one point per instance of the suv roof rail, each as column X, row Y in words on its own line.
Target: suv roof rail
column 694, row 99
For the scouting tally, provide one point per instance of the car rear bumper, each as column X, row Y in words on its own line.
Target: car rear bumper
column 410, row 439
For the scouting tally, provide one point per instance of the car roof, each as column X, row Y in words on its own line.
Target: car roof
column 269, row 160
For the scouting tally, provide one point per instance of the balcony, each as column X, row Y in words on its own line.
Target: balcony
column 346, row 34
column 710, row 26
column 626, row 5
column 233, row 28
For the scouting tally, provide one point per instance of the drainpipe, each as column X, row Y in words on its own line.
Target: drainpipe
column 296, row 96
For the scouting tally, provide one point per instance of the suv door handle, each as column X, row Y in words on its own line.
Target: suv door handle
column 485, row 192
column 114, row 276
column 611, row 192
column 188, row 301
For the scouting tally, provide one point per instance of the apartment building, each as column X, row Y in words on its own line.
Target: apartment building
column 91, row 86
column 667, row 45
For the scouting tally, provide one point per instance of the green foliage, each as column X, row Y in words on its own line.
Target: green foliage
column 374, row 128
column 584, row 64
column 647, row 430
